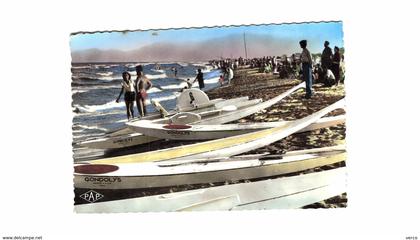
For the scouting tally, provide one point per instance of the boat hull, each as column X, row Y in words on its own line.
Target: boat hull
column 134, row 176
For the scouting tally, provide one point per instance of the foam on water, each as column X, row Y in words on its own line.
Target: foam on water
column 103, row 107
column 105, row 74
column 113, row 105
column 81, row 89
column 212, row 80
column 89, row 127
column 158, row 70
column 158, row 76
column 74, row 91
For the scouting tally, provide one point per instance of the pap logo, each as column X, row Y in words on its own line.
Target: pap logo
column 91, row 196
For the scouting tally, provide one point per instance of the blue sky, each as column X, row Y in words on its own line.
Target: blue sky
column 331, row 31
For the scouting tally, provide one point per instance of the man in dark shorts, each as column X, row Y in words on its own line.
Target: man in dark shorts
column 326, row 57
column 200, row 79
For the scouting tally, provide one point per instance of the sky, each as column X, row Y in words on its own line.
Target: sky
column 131, row 45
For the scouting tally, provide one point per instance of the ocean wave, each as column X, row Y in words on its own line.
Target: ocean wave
column 158, row 76
column 183, row 64
column 149, row 76
column 109, row 78
column 161, row 99
column 95, row 108
column 212, row 80
column 86, row 88
column 80, row 67
column 133, row 65
column 172, row 87
column 199, row 64
column 105, row 74
column 113, row 105
column 157, row 70
column 74, row 91
column 81, row 127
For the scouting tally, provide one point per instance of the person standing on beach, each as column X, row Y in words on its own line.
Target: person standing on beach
column 230, row 74
column 200, row 79
column 128, row 88
column 141, row 86
column 306, row 60
column 335, row 67
column 326, row 57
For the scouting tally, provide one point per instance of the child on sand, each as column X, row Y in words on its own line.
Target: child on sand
column 221, row 79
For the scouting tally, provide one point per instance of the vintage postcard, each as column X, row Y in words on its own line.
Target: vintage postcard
column 214, row 118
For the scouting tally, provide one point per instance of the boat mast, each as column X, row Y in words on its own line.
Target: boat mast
column 246, row 54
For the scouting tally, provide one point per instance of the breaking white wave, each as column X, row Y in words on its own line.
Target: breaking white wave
column 174, row 86
column 199, row 64
column 109, row 78
column 132, row 65
column 158, row 70
column 97, row 108
column 80, row 67
column 113, row 105
column 212, row 80
column 89, row 127
column 158, row 76
column 182, row 64
column 81, row 89
column 74, row 91
column 105, row 73
column 161, row 99
column 149, row 76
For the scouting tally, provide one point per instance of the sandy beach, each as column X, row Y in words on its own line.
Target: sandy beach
column 248, row 82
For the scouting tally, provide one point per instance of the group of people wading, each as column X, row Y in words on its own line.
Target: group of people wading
column 135, row 91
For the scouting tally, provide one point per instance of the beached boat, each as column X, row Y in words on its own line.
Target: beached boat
column 225, row 147
column 206, row 132
column 287, row 192
column 170, row 173
column 125, row 137
column 222, row 112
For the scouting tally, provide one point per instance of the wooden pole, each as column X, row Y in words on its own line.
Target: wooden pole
column 246, row 54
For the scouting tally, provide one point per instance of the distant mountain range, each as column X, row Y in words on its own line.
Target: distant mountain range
column 226, row 47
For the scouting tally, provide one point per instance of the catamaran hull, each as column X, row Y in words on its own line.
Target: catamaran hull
column 208, row 132
column 204, row 173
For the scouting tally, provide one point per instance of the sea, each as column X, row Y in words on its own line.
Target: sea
column 95, row 87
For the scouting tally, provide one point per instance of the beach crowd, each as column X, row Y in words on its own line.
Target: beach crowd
column 327, row 69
